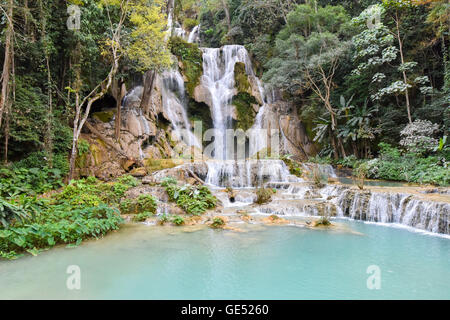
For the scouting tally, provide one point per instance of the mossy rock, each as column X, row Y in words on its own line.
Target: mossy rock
column 192, row 61
column 199, row 111
column 189, row 24
column 153, row 165
column 245, row 112
column 241, row 79
column 104, row 116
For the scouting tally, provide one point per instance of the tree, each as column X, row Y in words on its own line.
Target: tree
column 398, row 8
column 8, row 59
column 113, row 43
column 145, row 46
column 309, row 50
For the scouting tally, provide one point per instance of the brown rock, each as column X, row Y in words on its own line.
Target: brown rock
column 139, row 172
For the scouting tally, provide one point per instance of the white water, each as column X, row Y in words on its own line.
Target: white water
column 390, row 207
column 218, row 79
column 194, row 36
column 248, row 173
column 174, row 104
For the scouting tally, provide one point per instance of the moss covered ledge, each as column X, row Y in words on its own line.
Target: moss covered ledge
column 191, row 58
column 244, row 110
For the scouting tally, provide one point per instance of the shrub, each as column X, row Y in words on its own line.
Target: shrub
column 168, row 181
column 323, row 221
column 294, row 166
column 178, row 221
column 349, row 161
column 163, row 220
column 10, row 212
column 143, row 203
column 217, row 223
column 410, row 167
column 193, row 200
column 263, row 195
column 140, row 217
column 318, row 177
column 56, row 225
column 128, row 180
column 15, row 181
column 360, row 174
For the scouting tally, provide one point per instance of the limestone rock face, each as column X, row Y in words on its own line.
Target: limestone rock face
column 202, row 94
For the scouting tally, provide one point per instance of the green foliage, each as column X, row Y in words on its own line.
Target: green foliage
column 83, row 209
column 192, row 58
column 348, row 162
column 17, row 181
column 128, row 180
column 167, row 181
column 193, row 200
column 178, row 221
column 140, row 217
column 163, row 220
column 143, row 203
column 240, row 78
column 323, row 221
column 393, row 165
column 295, row 167
column 263, row 195
column 217, row 223
column 360, row 174
column 245, row 114
column 189, row 24
column 83, row 147
column 56, row 225
column 10, row 212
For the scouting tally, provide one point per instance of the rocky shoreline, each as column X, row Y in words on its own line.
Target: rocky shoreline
column 424, row 208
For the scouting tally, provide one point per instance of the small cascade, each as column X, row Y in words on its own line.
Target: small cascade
column 133, row 98
column 194, row 36
column 325, row 170
column 245, row 174
column 174, row 104
column 394, row 207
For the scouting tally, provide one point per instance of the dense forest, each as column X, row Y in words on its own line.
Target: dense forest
column 370, row 80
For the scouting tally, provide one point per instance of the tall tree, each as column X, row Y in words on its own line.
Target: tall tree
column 8, row 58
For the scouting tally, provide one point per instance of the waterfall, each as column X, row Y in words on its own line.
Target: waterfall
column 194, row 36
column 174, row 105
column 244, row 174
column 398, row 208
column 218, row 79
column 326, row 170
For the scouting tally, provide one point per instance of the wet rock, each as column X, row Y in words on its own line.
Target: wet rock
column 139, row 172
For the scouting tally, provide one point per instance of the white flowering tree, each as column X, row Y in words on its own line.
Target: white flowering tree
column 377, row 48
column 419, row 136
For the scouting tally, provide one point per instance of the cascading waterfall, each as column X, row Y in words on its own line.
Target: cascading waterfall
column 383, row 207
column 250, row 173
column 218, row 79
column 194, row 36
column 174, row 104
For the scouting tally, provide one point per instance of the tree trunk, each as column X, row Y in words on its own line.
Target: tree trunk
column 48, row 137
column 333, row 145
column 227, row 14
column 7, row 116
column 7, row 61
column 405, row 78
column 121, row 93
column 149, row 78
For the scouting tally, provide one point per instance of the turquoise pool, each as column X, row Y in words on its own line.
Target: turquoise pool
column 265, row 262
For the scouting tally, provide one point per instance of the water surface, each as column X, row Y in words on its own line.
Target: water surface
column 266, row 262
